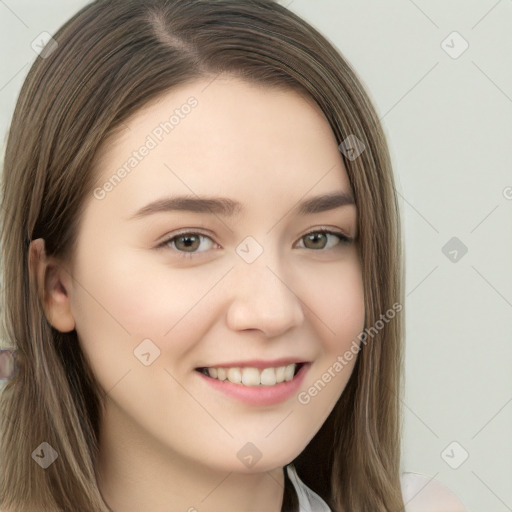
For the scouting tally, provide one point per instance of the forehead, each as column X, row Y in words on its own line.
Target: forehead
column 227, row 135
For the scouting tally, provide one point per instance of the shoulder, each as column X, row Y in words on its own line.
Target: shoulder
column 422, row 493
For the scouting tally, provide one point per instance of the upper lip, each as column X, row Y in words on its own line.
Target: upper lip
column 258, row 363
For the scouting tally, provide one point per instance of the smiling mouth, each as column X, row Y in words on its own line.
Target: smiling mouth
column 249, row 376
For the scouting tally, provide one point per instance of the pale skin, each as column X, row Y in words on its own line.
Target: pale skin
column 169, row 441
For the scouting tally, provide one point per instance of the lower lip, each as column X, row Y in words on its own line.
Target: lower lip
column 260, row 395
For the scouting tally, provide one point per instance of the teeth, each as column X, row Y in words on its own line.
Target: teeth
column 280, row 373
column 253, row 376
column 288, row 372
column 234, row 375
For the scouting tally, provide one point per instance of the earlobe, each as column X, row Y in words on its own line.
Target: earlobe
column 53, row 285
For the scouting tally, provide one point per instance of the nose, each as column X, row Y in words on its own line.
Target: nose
column 263, row 298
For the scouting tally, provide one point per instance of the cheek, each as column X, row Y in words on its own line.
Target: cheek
column 338, row 314
column 138, row 292
column 336, row 300
column 125, row 300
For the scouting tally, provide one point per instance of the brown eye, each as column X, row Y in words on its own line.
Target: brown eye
column 186, row 244
column 319, row 239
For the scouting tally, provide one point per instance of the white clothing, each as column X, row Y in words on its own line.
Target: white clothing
column 309, row 501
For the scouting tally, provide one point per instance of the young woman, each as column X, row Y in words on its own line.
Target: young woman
column 201, row 270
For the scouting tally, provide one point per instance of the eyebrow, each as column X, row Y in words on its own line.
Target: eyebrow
column 230, row 208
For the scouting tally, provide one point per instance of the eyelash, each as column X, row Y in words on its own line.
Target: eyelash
column 344, row 240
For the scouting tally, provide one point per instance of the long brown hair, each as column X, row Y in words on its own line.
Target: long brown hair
column 109, row 60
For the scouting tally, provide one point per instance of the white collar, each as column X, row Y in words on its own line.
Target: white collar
column 309, row 501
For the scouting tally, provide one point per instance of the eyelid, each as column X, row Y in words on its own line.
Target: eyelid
column 332, row 230
column 344, row 238
column 171, row 236
column 185, row 231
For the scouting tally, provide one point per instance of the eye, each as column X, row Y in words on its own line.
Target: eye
column 187, row 243
column 321, row 235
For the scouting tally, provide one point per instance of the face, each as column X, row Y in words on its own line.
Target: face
column 160, row 292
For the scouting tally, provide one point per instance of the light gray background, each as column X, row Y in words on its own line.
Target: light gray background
column 449, row 130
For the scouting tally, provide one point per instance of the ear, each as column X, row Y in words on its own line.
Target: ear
column 53, row 285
